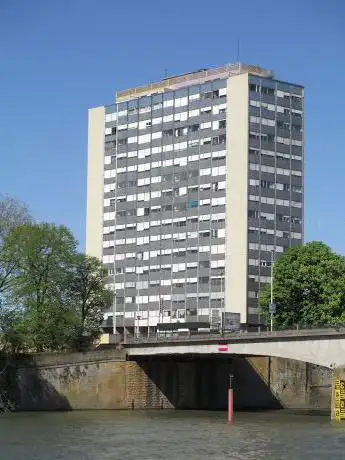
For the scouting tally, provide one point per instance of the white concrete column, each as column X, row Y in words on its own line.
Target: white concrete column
column 236, row 260
column 95, row 168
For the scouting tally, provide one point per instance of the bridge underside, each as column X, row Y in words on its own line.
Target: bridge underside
column 202, row 382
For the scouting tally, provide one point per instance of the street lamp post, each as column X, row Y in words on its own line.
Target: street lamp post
column 137, row 283
column 272, row 306
column 222, row 306
column 138, row 319
column 114, row 314
column 148, row 321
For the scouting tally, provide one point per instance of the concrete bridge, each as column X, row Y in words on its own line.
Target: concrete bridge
column 323, row 347
column 290, row 369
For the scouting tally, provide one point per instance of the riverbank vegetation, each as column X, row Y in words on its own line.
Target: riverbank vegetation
column 51, row 296
column 308, row 288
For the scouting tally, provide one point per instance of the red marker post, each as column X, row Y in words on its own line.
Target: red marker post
column 230, row 401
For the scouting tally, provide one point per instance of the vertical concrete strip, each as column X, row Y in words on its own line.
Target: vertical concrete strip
column 95, row 166
column 237, row 196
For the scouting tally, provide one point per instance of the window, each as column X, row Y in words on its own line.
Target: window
column 194, row 113
column 283, row 124
column 205, row 141
column 217, row 140
column 206, row 110
column 144, row 138
column 204, row 279
column 181, row 132
column 194, row 97
column 261, row 89
column 182, row 116
column 180, row 207
column 218, row 171
column 218, row 201
column 168, row 132
column 194, row 128
column 157, row 135
column 193, row 204
column 218, row 249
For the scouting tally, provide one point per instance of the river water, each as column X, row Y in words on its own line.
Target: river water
column 167, row 435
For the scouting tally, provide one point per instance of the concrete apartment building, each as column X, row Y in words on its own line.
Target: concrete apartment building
column 193, row 183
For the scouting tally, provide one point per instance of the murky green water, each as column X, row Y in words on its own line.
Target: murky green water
column 169, row 435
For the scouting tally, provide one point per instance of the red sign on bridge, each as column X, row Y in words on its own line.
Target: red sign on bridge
column 222, row 348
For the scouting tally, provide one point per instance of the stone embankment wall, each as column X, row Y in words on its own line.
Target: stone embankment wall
column 104, row 379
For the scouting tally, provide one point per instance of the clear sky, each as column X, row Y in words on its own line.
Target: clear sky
column 60, row 57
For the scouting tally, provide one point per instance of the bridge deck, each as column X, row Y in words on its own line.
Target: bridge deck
column 266, row 336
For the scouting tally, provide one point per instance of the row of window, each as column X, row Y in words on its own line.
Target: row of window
column 177, row 177
column 176, row 282
column 270, row 153
column 280, row 124
column 167, row 268
column 177, row 207
column 278, row 233
column 143, row 153
column 277, row 201
column 177, row 221
column 176, row 237
column 259, row 263
column 261, row 278
column 180, row 116
column 173, row 102
column 256, row 88
column 147, row 138
column 178, row 162
column 177, row 252
column 177, row 117
column 269, row 216
column 173, row 300
column 156, row 316
column 275, row 185
column 278, row 108
column 183, row 236
column 265, row 247
column 178, row 191
column 273, row 170
column 272, row 138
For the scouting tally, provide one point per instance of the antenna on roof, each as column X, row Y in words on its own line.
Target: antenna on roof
column 238, row 51
column 165, row 73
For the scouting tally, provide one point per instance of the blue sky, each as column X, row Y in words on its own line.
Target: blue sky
column 58, row 58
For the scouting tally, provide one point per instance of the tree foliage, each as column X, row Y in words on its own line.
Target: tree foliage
column 88, row 296
column 56, row 297
column 45, row 252
column 12, row 214
column 308, row 288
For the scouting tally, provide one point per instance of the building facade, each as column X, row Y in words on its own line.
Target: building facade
column 195, row 184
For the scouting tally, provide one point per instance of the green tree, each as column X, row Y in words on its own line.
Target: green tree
column 12, row 214
column 89, row 298
column 45, row 253
column 308, row 288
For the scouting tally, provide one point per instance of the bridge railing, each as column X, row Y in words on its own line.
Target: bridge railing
column 242, row 335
